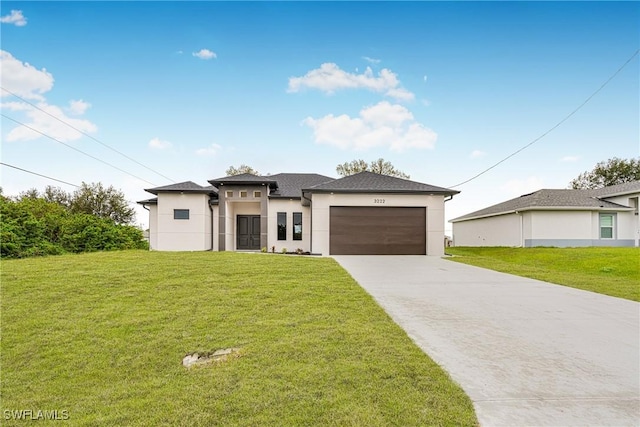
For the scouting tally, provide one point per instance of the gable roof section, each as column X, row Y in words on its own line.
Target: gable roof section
column 183, row 187
column 290, row 185
column 547, row 199
column 369, row 182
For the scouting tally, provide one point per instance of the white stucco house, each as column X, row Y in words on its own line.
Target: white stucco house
column 561, row 218
column 365, row 213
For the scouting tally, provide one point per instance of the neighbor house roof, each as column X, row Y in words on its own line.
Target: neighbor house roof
column 243, row 179
column 369, row 182
column 290, row 185
column 549, row 199
column 183, row 187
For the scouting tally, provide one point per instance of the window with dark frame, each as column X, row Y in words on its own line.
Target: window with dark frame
column 297, row 226
column 181, row 214
column 282, row 226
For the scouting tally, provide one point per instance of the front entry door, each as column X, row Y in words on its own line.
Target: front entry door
column 248, row 232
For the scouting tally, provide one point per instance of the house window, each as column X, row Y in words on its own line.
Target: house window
column 282, row 226
column 297, row 226
column 257, row 194
column 229, row 194
column 607, row 224
column 243, row 194
column 181, row 214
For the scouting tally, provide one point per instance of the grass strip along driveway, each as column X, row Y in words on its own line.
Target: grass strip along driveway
column 609, row 271
column 102, row 336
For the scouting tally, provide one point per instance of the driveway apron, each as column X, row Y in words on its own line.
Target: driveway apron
column 526, row 352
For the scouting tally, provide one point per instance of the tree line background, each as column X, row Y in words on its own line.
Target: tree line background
column 92, row 218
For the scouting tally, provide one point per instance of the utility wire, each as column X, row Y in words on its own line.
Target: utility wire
column 75, row 149
column 554, row 127
column 85, row 134
column 35, row 173
column 48, row 177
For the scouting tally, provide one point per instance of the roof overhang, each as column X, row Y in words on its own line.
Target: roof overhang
column 374, row 191
column 153, row 201
column 192, row 191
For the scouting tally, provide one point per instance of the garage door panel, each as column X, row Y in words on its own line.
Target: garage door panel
column 377, row 231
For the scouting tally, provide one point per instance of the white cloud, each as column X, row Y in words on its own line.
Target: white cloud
column 22, row 78
column 477, row 154
column 329, row 78
column 424, row 78
column 371, row 60
column 46, row 124
column 516, row 187
column 15, row 17
column 78, row 107
column 205, row 54
column 381, row 125
column 30, row 83
column 158, row 144
column 570, row 159
column 212, row 150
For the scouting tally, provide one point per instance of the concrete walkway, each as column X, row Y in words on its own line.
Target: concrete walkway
column 526, row 352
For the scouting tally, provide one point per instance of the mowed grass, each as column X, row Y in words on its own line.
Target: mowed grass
column 609, row 271
column 102, row 336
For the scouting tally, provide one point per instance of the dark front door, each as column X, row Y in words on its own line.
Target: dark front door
column 248, row 232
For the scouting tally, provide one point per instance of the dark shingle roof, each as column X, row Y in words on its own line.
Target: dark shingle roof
column 290, row 185
column 369, row 182
column 614, row 190
column 184, row 187
column 243, row 179
column 152, row 201
column 547, row 199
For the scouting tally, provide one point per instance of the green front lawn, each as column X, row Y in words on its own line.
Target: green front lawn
column 609, row 271
column 102, row 336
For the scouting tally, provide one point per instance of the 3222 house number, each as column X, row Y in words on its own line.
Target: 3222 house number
column 378, row 200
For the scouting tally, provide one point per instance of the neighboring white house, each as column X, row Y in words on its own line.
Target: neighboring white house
column 365, row 213
column 562, row 218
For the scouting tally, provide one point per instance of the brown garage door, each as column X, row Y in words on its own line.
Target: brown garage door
column 377, row 231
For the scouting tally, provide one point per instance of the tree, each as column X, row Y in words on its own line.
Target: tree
column 109, row 203
column 241, row 169
column 57, row 195
column 610, row 172
column 379, row 166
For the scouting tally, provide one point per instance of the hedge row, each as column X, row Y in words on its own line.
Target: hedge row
column 36, row 227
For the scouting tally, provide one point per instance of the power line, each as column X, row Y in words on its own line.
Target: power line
column 554, row 127
column 84, row 133
column 35, row 173
column 54, row 179
column 75, row 149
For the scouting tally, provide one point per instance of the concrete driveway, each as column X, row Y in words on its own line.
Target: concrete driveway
column 526, row 352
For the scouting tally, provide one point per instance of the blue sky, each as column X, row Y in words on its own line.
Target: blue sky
column 443, row 90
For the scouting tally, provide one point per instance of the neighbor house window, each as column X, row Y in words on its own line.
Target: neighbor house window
column 297, row 226
column 181, row 214
column 607, row 223
column 243, row 194
column 257, row 194
column 229, row 194
column 282, row 226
